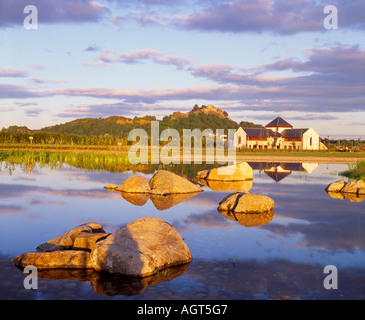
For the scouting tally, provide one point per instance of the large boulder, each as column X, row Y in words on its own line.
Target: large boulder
column 239, row 202
column 353, row 186
column 164, row 182
column 140, row 249
column 239, row 172
column 336, row 186
column 135, row 184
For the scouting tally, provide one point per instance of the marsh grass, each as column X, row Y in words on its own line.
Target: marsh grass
column 91, row 161
column 355, row 172
column 83, row 160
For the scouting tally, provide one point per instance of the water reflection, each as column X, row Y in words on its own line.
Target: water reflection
column 161, row 202
column 216, row 185
column 351, row 197
column 111, row 285
column 284, row 254
column 249, row 219
column 278, row 171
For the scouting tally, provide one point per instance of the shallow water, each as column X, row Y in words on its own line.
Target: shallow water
column 235, row 257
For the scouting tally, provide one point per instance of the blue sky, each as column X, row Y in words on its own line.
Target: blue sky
column 255, row 59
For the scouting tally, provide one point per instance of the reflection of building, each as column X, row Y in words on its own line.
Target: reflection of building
column 278, row 134
column 278, row 171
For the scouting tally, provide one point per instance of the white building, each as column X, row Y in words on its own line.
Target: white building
column 278, row 134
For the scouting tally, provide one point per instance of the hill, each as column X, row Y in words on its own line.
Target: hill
column 204, row 117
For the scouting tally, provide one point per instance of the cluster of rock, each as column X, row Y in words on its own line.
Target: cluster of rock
column 139, row 249
column 162, row 183
column 353, row 190
column 165, row 189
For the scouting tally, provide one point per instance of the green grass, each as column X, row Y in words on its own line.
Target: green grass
column 300, row 153
column 84, row 160
column 355, row 172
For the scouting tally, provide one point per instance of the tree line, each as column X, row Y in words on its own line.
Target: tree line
column 47, row 138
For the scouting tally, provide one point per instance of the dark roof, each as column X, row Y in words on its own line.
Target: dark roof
column 276, row 134
column 258, row 132
column 277, row 176
column 293, row 133
column 279, row 122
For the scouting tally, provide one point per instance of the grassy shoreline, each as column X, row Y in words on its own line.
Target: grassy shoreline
column 250, row 155
column 356, row 172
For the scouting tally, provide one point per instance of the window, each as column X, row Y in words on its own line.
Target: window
column 310, row 141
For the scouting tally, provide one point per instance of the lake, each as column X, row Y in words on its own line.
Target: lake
column 282, row 256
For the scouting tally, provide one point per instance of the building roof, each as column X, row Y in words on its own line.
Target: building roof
column 258, row 132
column 293, row 133
column 279, row 122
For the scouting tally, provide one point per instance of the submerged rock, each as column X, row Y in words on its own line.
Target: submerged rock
column 111, row 187
column 240, row 202
column 164, row 182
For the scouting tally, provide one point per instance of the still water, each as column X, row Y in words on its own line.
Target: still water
column 233, row 257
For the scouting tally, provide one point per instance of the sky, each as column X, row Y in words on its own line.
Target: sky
column 70, row 59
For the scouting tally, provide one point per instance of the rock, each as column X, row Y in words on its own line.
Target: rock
column 140, row 249
column 238, row 172
column 135, row 184
column 164, row 182
column 361, row 192
column 202, row 174
column 66, row 259
column 86, row 240
column 353, row 186
column 335, row 186
column 66, row 241
column 111, row 187
column 240, row 202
